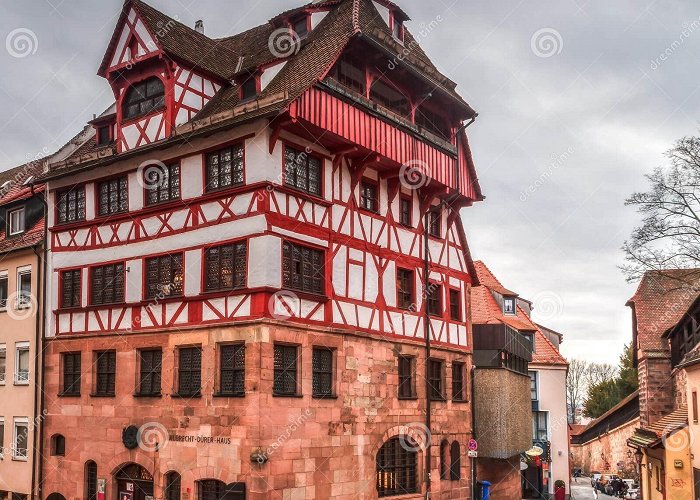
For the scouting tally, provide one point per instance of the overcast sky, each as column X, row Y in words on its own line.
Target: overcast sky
column 577, row 101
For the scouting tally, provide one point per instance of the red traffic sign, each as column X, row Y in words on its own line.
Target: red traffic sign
column 472, row 445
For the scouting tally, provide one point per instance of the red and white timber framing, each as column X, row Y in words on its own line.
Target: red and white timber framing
column 363, row 250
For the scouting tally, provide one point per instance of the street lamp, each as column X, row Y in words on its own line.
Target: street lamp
column 639, row 456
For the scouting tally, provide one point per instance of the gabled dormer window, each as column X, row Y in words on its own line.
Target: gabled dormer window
column 301, row 26
column 104, row 135
column 143, row 98
column 15, row 221
column 396, row 27
column 249, row 88
column 509, row 305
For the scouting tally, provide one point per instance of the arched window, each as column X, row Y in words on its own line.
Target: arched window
column 58, row 445
column 172, row 486
column 444, row 460
column 90, row 480
column 397, row 467
column 143, row 98
column 390, row 98
column 455, row 462
column 210, row 489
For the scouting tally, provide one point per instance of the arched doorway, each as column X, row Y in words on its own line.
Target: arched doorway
column 55, row 496
column 133, row 483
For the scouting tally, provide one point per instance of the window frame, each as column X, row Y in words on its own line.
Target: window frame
column 234, row 370
column 58, row 445
column 4, row 277
column 513, row 300
column 536, row 429
column 298, row 151
column 401, row 294
column 284, row 371
column 244, row 89
column 62, row 285
column 203, row 484
column 403, row 198
column 2, row 437
column 363, row 198
column 218, row 151
column 435, row 222
column 437, row 393
column 459, row 396
column 3, row 372
column 22, row 348
column 120, row 189
column 124, row 104
column 455, row 315
column 152, row 372
column 236, row 284
column 17, row 423
column 109, row 357
column 331, row 373
column 409, row 361
column 91, row 284
column 90, row 480
column 172, row 489
column 297, row 248
column 22, row 213
column 434, row 296
column 150, row 289
column 192, row 392
column 534, row 385
column 158, row 188
column 63, row 197
column 24, row 301
column 76, row 373
column 397, row 460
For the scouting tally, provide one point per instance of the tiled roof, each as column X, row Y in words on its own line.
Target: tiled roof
column 665, row 426
column 659, row 303
column 487, row 278
column 29, row 238
column 576, row 429
column 19, row 188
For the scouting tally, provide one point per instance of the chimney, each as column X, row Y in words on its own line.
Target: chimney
column 199, row 26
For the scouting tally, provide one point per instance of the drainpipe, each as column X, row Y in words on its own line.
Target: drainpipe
column 426, row 332
column 38, row 465
column 473, row 407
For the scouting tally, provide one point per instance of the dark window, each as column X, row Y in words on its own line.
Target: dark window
column 172, row 486
column 164, row 276
column 539, row 426
column 104, row 136
column 435, row 222
column 390, row 98
column 225, row 168
column 189, row 371
column 162, row 184
column 444, row 460
column 225, row 267
column 458, row 381
column 435, row 379
column 149, row 377
column 249, row 88
column 3, row 292
column 405, row 212
column 58, row 445
column 71, row 374
column 210, row 489
column 302, row 171
column 285, row 377
column 232, row 360
column 113, row 196
column 529, row 341
column 16, row 221
column 301, row 27
column 397, row 468
column 433, row 123
column 455, row 462
column 397, row 28
column 695, row 407
column 24, row 279
column 19, row 496
column 303, row 268
column 106, row 373
column 322, row 372
column 434, row 300
column 455, row 307
column 70, row 205
column 143, row 98
column 533, row 386
column 509, row 305
column 107, row 284
column 70, row 288
column 405, row 284
column 90, row 480
column 407, row 386
column 369, row 196
column 350, row 72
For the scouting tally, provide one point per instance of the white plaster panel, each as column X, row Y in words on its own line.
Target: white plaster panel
column 339, row 272
column 120, row 45
column 371, row 281
column 389, row 284
column 300, row 237
column 89, row 201
column 192, row 100
column 134, row 280
column 260, row 165
column 265, row 262
column 192, row 185
column 316, row 18
column 183, row 116
column 355, row 282
column 383, row 11
column 193, row 273
column 270, row 73
column 135, row 192
column 145, row 36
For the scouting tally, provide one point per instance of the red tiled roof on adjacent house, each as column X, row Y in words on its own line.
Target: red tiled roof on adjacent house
column 16, row 185
column 487, row 278
column 660, row 301
column 675, row 420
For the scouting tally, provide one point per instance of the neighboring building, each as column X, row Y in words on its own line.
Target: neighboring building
column 601, row 446
column 665, row 335
column 503, row 338
column 237, row 303
column 21, row 277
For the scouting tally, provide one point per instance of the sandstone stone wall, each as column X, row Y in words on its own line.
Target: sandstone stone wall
column 604, row 453
column 504, row 476
column 315, row 448
column 655, row 389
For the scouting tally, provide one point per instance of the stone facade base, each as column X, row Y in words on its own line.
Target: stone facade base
column 504, row 476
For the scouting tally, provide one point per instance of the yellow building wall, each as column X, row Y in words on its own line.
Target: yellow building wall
column 673, row 459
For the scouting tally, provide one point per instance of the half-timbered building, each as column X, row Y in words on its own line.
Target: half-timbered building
column 260, row 283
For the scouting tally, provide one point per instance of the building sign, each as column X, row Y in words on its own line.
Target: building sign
column 200, row 439
column 473, row 445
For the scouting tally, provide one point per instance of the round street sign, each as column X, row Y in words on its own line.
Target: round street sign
column 472, row 445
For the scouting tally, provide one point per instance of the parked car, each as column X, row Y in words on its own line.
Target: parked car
column 612, row 482
column 632, row 492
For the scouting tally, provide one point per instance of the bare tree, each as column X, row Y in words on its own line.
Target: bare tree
column 599, row 373
column 576, row 387
column 669, row 236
